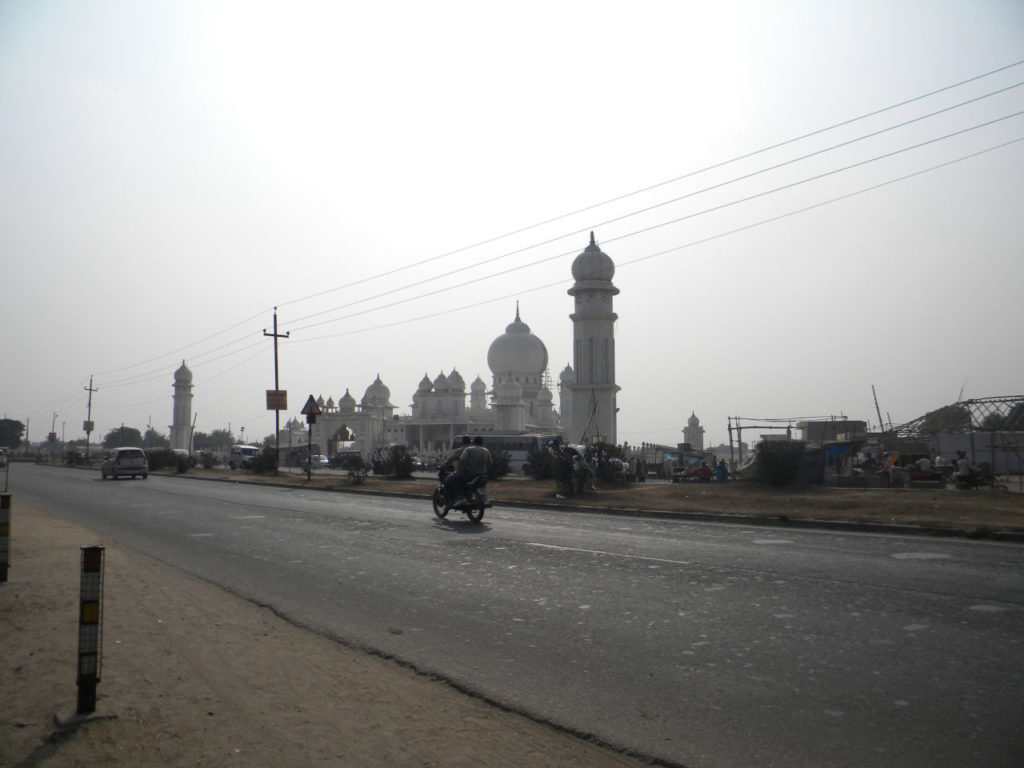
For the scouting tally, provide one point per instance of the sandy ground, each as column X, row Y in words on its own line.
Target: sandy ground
column 195, row 676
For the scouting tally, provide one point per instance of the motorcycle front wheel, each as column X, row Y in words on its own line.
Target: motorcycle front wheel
column 439, row 506
column 475, row 515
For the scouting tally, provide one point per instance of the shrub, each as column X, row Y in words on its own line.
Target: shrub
column 160, row 458
column 499, row 463
column 401, row 463
column 265, row 461
column 778, row 461
column 608, row 462
column 542, row 464
column 572, row 475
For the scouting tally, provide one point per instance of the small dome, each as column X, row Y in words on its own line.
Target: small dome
column 544, row 396
column 441, row 382
column 593, row 264
column 455, row 382
column 567, row 376
column 330, row 403
column 425, row 384
column 478, row 385
column 509, row 391
column 347, row 402
column 320, row 401
column 693, row 421
column 377, row 394
column 517, row 351
column 183, row 375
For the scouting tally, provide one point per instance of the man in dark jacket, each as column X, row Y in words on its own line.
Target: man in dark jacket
column 473, row 461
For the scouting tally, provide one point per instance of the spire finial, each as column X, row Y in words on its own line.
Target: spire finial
column 592, row 238
column 517, row 311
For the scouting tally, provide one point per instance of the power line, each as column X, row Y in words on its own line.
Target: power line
column 634, row 193
column 677, row 220
column 684, row 246
column 158, row 374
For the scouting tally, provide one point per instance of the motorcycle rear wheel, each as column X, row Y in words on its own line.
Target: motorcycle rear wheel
column 475, row 514
column 439, row 504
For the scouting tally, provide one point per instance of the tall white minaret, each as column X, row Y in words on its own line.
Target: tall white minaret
column 181, row 428
column 593, row 394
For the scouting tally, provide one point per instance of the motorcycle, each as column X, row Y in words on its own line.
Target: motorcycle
column 473, row 504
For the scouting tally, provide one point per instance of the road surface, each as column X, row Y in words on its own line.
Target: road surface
column 697, row 644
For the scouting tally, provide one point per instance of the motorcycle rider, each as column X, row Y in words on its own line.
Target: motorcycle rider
column 449, row 466
column 472, row 461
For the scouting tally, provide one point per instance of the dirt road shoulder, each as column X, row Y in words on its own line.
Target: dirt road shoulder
column 193, row 675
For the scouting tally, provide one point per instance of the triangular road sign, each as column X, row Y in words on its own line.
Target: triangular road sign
column 310, row 408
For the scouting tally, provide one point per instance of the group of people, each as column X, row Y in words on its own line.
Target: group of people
column 707, row 474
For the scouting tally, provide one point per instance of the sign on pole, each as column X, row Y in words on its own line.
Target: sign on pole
column 277, row 399
column 311, row 410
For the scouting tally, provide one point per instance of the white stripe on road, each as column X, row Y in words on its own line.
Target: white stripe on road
column 609, row 554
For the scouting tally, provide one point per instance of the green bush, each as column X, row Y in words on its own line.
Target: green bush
column 778, row 461
column 542, row 464
column 499, row 463
column 161, row 458
column 400, row 462
column 610, row 464
column 265, row 461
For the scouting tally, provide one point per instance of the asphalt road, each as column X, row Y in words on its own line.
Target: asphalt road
column 698, row 644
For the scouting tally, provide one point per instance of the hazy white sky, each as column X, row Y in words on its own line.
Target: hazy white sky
column 170, row 171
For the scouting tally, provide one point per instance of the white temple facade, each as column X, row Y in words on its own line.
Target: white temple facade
column 693, row 433
column 517, row 401
column 181, row 419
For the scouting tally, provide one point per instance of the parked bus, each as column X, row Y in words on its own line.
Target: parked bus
column 242, row 456
column 517, row 447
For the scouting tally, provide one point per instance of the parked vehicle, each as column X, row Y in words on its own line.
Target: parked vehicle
column 125, row 462
column 517, row 447
column 474, row 503
column 318, row 460
column 242, row 456
column 3, row 458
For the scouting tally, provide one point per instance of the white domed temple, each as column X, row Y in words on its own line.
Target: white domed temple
column 519, row 403
column 518, row 400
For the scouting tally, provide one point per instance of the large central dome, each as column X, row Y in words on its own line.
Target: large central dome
column 517, row 352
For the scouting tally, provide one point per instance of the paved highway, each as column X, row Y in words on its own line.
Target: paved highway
column 698, row 644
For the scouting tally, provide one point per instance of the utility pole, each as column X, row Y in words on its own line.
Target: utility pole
column 277, row 387
column 88, row 418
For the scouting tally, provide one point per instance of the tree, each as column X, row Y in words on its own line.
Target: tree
column 778, row 461
column 10, row 433
column 218, row 441
column 221, row 440
column 123, row 436
column 994, row 422
column 153, row 439
column 949, row 418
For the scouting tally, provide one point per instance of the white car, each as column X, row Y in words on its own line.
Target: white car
column 125, row 461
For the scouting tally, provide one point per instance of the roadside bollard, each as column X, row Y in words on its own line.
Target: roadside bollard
column 90, row 628
column 5, row 534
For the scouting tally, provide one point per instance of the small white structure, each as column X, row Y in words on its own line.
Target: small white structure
column 590, row 411
column 693, row 433
column 181, row 427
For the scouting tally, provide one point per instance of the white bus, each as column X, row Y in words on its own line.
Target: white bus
column 517, row 447
column 242, row 456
